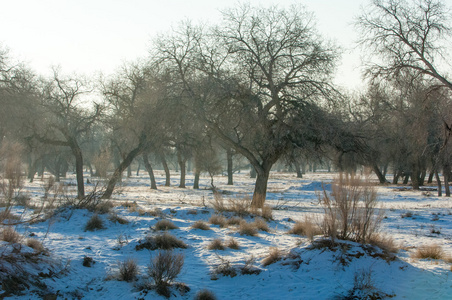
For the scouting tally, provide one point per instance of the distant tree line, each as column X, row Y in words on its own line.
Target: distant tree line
column 257, row 86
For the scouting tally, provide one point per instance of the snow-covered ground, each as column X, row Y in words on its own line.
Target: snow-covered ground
column 412, row 219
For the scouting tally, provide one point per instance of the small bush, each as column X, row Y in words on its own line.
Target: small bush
column 164, row 225
column 267, row 212
column 163, row 269
column 205, row 295
column 131, row 206
column 240, row 206
column 35, row 245
column 225, row 268
column 216, row 244
column 218, row 202
column 429, row 252
column 128, row 270
column 104, row 207
column 117, row 219
column 218, row 220
column 385, row 243
column 234, row 221
column 10, row 235
column 164, row 241
column 88, row 261
column 273, row 256
column 261, row 224
column 94, row 223
column 247, row 228
column 233, row 244
column 305, row 228
column 200, row 225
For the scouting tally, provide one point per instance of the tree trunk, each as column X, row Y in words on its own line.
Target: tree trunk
column 438, row 181
column 77, row 152
column 138, row 169
column 406, row 178
column 129, row 171
column 299, row 171
column 148, row 167
column 446, row 171
column 253, row 172
column 181, row 162
column 422, row 177
column 196, row 181
column 430, row 176
column 121, row 168
column 230, row 170
column 260, row 188
column 380, row 175
column 167, row 171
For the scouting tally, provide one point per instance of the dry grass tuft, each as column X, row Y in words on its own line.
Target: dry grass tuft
column 385, row 243
column 247, row 228
column 115, row 218
column 164, row 225
column 200, row 225
column 163, row 241
column 261, row 224
column 305, row 228
column 274, row 255
column 128, row 270
column 35, row 245
column 218, row 220
column 233, row 244
column 267, row 212
column 205, row 295
column 95, row 223
column 234, row 221
column 10, row 235
column 216, row 244
column 131, row 206
column 104, row 207
column 429, row 252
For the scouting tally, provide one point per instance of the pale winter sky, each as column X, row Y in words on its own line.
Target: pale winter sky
column 86, row 36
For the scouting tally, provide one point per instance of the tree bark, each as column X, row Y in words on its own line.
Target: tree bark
column 446, row 171
column 77, row 152
column 260, row 188
column 438, row 181
column 196, row 181
column 430, row 176
column 166, row 168
column 380, row 175
column 253, row 172
column 230, row 169
column 299, row 171
column 150, row 171
column 181, row 162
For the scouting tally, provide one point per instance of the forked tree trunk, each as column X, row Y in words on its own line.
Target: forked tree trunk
column 150, row 171
column 230, row 170
column 167, row 171
column 121, row 168
column 430, row 176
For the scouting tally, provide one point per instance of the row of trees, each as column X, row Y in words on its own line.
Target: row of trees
column 260, row 87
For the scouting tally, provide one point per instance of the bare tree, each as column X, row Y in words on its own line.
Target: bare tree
column 67, row 117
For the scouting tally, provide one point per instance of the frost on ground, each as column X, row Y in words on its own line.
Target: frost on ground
column 91, row 262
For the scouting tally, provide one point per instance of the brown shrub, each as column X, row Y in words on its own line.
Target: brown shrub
column 200, row 225
column 305, row 228
column 205, row 295
column 164, row 241
column 273, row 256
column 216, row 244
column 234, row 221
column 247, row 228
column 36, row 245
column 104, row 207
column 429, row 252
column 164, row 268
column 128, row 270
column 115, row 218
column 267, row 212
column 218, row 220
column 165, row 224
column 240, row 206
column 94, row 223
column 261, row 224
column 233, row 244
column 10, row 235
column 385, row 243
